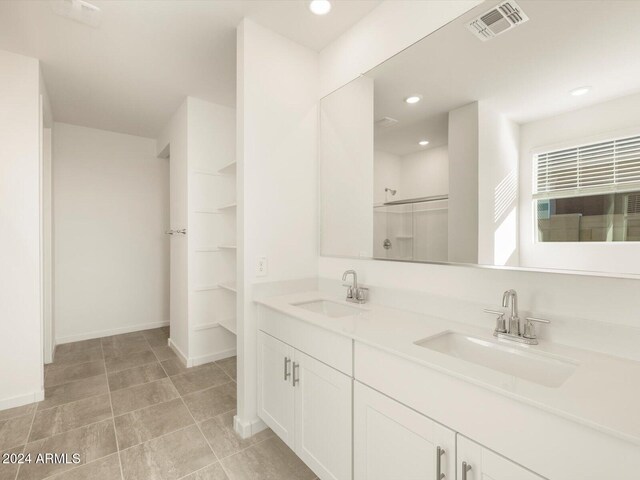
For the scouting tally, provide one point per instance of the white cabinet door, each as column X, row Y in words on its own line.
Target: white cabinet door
column 392, row 441
column 482, row 464
column 275, row 390
column 323, row 418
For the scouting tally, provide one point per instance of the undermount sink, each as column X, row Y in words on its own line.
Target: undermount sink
column 539, row 368
column 328, row 308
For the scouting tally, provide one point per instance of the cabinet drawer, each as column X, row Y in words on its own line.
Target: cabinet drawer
column 328, row 347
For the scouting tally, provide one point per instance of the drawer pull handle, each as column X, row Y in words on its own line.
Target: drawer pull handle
column 465, row 468
column 439, row 453
column 287, row 374
column 296, row 378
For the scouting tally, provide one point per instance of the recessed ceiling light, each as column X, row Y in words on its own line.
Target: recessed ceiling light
column 423, row 142
column 413, row 99
column 576, row 92
column 320, row 7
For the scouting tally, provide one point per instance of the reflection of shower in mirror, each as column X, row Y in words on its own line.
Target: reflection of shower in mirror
column 389, row 190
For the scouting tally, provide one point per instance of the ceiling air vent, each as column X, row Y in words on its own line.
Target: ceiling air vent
column 501, row 18
column 79, row 11
column 385, row 122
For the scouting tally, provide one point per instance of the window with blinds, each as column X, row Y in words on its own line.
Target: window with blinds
column 605, row 167
column 589, row 193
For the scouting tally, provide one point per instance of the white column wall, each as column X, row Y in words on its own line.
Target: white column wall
column 277, row 88
column 21, row 357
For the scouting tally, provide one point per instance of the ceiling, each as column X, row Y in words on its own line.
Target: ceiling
column 131, row 73
column 525, row 73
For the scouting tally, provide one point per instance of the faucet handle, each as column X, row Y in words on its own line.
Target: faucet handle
column 536, row 319
column 501, row 326
column 530, row 328
column 361, row 294
column 349, row 290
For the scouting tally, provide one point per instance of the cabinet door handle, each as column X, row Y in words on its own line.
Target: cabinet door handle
column 296, row 379
column 439, row 453
column 465, row 468
column 287, row 374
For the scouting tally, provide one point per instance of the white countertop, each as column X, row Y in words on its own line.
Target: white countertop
column 603, row 392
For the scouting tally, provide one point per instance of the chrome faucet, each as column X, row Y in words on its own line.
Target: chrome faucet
column 514, row 331
column 355, row 294
column 511, row 297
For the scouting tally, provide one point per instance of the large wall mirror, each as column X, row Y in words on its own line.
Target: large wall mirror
column 509, row 137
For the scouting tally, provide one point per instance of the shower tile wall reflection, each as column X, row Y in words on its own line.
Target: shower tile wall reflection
column 412, row 231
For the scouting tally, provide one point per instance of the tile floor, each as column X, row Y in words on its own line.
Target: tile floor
column 133, row 412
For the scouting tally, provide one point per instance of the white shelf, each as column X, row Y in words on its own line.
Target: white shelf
column 206, row 326
column 207, row 249
column 230, row 286
column 211, row 211
column 228, row 207
column 228, row 169
column 206, row 172
column 227, row 247
column 230, row 325
column 205, row 288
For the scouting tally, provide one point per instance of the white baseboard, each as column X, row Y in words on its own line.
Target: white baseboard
column 212, row 357
column 249, row 428
column 183, row 358
column 21, row 400
column 109, row 332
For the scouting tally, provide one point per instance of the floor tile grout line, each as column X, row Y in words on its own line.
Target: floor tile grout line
column 109, row 392
column 77, row 380
column 113, row 417
column 201, row 433
column 20, row 415
column 135, row 366
column 74, row 401
column 203, row 468
column 26, row 442
column 242, row 449
column 203, row 389
column 70, row 430
column 76, row 467
column 50, row 436
column 113, row 413
column 158, row 437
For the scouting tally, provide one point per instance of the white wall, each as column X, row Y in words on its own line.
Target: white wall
column 386, row 174
column 607, row 120
column 21, row 369
column 463, row 184
column 424, row 174
column 277, row 88
column 346, row 170
column 110, row 214
column 602, row 306
column 498, row 144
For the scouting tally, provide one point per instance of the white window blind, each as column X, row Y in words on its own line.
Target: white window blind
column 597, row 168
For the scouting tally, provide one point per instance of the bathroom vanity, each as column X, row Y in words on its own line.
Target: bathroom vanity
column 370, row 392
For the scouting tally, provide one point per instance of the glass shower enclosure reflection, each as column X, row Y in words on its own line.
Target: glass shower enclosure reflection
column 411, row 230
